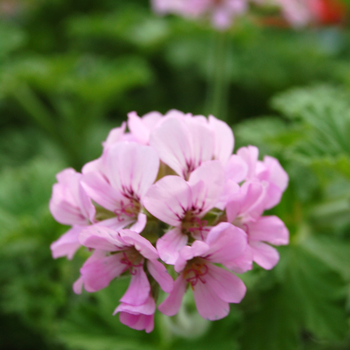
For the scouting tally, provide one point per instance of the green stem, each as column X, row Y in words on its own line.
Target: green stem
column 219, row 77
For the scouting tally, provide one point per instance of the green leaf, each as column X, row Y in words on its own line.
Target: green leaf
column 309, row 295
column 317, row 292
column 274, row 326
column 325, row 110
column 335, row 254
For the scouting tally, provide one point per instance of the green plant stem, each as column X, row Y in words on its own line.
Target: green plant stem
column 218, row 76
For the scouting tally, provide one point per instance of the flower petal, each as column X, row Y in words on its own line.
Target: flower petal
column 169, row 245
column 141, row 244
column 225, row 284
column 209, row 305
column 99, row 271
column 207, row 183
column 223, row 137
column 67, row 244
column 131, row 168
column 141, row 127
column 161, row 275
column 147, row 308
column 171, row 305
column 227, row 243
column 270, row 229
column 97, row 187
column 140, row 224
column 139, row 288
column 102, row 238
column 169, row 199
column 264, row 255
column 250, row 155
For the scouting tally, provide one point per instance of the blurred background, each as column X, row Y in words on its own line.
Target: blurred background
column 71, row 70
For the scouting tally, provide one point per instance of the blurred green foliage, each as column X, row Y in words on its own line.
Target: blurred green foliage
column 71, row 70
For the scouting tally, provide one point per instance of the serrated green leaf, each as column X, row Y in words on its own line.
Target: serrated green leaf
column 325, row 110
column 317, row 292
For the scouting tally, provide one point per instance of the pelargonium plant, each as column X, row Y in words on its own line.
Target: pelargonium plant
column 167, row 198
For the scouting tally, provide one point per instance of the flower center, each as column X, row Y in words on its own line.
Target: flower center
column 129, row 209
column 195, row 270
column 132, row 259
column 193, row 225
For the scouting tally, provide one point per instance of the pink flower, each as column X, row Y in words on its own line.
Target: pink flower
column 116, row 253
column 268, row 171
column 138, row 317
column 184, row 142
column 212, row 201
column 70, row 205
column 220, row 12
column 213, row 287
column 296, row 12
column 127, row 171
column 141, row 128
column 183, row 204
column 245, row 210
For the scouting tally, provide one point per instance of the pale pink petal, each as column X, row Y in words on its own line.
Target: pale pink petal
column 221, row 19
column 168, row 246
column 137, row 321
column 118, row 223
column 147, row 308
column 223, row 139
column 67, row 244
column 225, row 284
column 183, row 143
column 272, row 197
column 169, row 199
column 270, row 229
column 208, row 303
column 115, row 135
column 93, row 166
column 264, row 255
column 236, row 169
column 243, row 263
column 207, row 183
column 171, row 305
column 86, row 206
column 99, row 272
column 227, row 242
column 78, row 285
column 139, row 288
column 249, row 201
column 102, row 238
column 140, row 224
column 141, row 127
column 64, row 207
column 161, row 275
column 131, row 168
column 231, row 189
column 202, row 142
column 172, row 140
column 250, row 156
column 97, row 187
column 141, row 244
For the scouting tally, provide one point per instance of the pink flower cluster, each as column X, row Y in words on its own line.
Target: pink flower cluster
column 222, row 13
column 170, row 192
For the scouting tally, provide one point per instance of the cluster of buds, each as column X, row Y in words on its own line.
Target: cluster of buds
column 297, row 13
column 169, row 195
